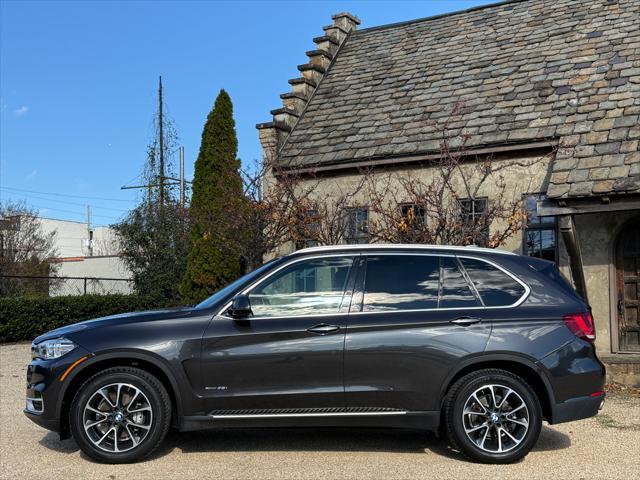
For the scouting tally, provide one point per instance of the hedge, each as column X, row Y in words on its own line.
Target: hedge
column 24, row 318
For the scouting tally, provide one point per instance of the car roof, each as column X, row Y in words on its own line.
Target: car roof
column 400, row 246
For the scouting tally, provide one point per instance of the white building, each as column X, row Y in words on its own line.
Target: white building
column 89, row 257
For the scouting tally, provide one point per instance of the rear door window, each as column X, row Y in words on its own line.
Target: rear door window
column 415, row 282
column 496, row 288
column 401, row 282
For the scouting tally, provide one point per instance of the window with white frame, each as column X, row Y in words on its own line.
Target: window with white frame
column 473, row 213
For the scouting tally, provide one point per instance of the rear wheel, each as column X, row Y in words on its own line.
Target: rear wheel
column 120, row 415
column 493, row 416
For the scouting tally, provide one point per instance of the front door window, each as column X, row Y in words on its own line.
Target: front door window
column 312, row 287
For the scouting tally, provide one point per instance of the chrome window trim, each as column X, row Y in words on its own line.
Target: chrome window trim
column 518, row 302
column 524, row 296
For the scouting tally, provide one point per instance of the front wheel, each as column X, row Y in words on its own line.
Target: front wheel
column 120, row 415
column 493, row 416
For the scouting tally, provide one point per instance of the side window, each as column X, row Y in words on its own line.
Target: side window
column 401, row 282
column 540, row 237
column 496, row 288
column 304, row 288
column 473, row 213
column 357, row 225
column 455, row 292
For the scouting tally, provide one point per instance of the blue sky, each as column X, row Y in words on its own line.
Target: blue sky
column 78, row 84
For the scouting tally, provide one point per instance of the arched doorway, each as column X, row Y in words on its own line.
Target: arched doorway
column 627, row 267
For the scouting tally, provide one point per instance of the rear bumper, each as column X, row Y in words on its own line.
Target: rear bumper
column 576, row 409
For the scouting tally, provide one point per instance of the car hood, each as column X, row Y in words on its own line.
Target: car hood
column 119, row 319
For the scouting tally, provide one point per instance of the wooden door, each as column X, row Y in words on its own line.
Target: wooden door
column 628, row 287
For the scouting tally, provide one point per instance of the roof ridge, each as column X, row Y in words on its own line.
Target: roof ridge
column 436, row 17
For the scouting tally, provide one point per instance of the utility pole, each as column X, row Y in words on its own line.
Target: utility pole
column 160, row 122
column 182, row 176
column 89, row 233
column 161, row 180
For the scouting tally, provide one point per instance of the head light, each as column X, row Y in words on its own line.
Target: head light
column 55, row 348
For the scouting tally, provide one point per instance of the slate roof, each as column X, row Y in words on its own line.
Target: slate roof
column 524, row 71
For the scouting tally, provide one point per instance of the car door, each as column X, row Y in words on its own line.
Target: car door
column 289, row 353
column 413, row 317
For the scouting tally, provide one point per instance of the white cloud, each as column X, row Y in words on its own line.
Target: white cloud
column 21, row 111
column 32, row 175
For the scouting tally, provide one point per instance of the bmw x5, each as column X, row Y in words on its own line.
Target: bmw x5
column 480, row 345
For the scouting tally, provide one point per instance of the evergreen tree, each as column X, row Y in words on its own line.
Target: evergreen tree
column 215, row 219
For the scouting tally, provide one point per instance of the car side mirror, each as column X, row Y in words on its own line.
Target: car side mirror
column 240, row 307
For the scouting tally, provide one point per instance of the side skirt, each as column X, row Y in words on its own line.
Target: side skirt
column 421, row 420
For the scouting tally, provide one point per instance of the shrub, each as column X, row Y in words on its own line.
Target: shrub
column 24, row 318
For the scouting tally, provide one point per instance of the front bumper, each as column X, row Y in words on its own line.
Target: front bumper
column 576, row 409
column 45, row 391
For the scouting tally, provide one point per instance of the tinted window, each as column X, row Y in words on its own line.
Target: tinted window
column 494, row 286
column 401, row 282
column 455, row 291
column 307, row 287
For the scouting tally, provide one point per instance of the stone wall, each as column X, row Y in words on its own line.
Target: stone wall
column 519, row 181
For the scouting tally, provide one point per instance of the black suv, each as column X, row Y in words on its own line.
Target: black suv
column 479, row 344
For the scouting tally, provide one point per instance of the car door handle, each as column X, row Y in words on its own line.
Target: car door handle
column 323, row 328
column 464, row 321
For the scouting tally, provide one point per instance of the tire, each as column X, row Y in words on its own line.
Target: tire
column 492, row 428
column 136, row 418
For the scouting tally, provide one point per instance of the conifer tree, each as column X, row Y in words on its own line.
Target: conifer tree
column 217, row 201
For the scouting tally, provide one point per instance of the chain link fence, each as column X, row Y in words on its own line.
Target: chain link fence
column 16, row 285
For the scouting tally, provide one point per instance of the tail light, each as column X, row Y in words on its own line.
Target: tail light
column 581, row 324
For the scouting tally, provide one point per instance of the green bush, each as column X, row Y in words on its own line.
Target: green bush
column 24, row 318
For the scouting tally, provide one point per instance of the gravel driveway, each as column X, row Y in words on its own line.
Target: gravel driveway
column 607, row 446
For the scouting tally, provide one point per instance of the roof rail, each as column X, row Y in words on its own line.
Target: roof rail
column 401, row 246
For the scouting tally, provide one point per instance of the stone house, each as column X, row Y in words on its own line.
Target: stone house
column 557, row 80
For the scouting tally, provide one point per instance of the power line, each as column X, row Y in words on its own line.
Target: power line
column 67, row 202
column 67, row 195
column 40, row 207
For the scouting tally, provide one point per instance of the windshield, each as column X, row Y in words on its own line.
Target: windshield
column 220, row 294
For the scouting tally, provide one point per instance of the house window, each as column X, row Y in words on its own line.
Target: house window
column 413, row 214
column 473, row 212
column 309, row 230
column 540, row 238
column 357, row 225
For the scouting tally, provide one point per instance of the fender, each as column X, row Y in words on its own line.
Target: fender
column 144, row 355
column 497, row 357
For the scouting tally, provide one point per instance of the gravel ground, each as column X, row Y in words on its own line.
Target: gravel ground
column 607, row 446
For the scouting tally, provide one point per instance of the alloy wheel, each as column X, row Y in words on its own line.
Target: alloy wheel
column 495, row 418
column 117, row 417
